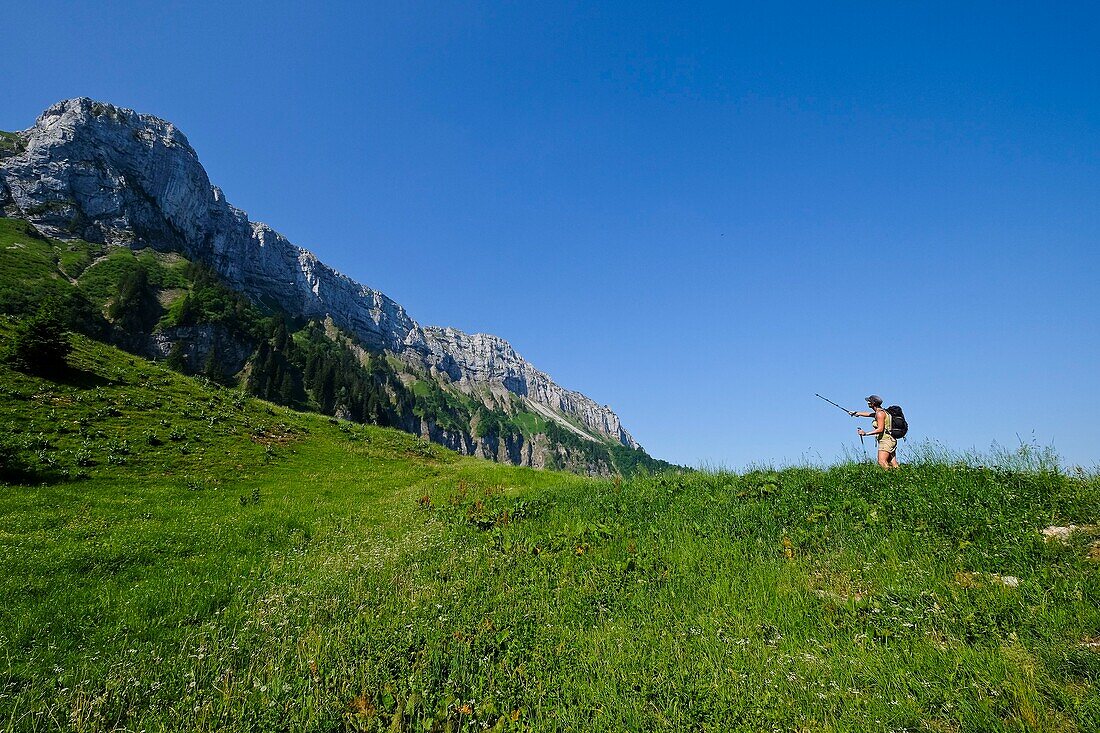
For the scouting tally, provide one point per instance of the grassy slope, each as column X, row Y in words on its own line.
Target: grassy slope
column 26, row 259
column 29, row 261
column 227, row 565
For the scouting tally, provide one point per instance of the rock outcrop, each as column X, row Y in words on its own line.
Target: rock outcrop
column 101, row 173
column 482, row 358
column 519, row 450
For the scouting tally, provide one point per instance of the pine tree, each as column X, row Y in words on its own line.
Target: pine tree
column 279, row 337
column 176, row 357
column 327, row 396
column 189, row 311
column 135, row 307
column 286, row 389
column 211, row 369
column 257, row 375
column 309, row 375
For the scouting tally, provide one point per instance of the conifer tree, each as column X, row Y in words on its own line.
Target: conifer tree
column 40, row 343
column 279, row 338
column 210, row 368
column 135, row 307
column 286, row 389
column 176, row 358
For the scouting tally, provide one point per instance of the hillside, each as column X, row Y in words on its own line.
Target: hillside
column 164, row 306
column 182, row 556
column 180, row 273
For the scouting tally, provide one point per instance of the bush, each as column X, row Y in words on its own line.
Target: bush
column 40, row 343
column 13, row 467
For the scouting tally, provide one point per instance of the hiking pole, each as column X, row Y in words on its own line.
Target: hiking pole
column 832, row 403
column 861, row 443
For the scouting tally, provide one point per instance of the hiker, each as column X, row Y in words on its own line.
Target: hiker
column 887, row 444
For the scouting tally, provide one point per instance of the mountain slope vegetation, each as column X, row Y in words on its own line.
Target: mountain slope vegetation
column 184, row 556
column 161, row 305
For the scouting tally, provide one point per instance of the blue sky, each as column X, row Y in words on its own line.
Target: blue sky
column 699, row 216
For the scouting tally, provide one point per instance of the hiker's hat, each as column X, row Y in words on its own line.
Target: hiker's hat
column 874, row 399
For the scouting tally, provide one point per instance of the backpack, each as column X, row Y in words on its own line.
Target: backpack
column 898, row 426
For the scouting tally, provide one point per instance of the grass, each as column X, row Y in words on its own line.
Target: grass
column 529, row 422
column 192, row 559
column 26, row 258
column 100, row 280
column 10, row 143
column 31, row 263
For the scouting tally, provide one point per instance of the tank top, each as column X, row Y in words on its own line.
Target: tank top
column 888, row 423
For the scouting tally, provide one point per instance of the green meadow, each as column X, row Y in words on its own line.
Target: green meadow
column 180, row 556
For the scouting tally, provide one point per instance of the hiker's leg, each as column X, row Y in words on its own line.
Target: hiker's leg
column 894, row 460
column 884, row 458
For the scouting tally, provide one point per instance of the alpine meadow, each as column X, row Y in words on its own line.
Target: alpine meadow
column 182, row 556
column 435, row 367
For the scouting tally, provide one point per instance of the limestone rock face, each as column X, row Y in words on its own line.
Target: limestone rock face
column 200, row 342
column 482, row 358
column 534, row 452
column 97, row 172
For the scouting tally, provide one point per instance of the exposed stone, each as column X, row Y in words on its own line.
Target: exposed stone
column 481, row 358
column 1063, row 534
column 519, row 450
column 7, row 203
column 198, row 342
column 976, row 580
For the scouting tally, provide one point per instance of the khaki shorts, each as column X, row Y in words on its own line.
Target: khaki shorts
column 888, row 443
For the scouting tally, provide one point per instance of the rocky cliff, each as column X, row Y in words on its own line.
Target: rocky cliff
column 92, row 171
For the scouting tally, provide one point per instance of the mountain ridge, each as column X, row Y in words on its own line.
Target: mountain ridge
column 92, row 171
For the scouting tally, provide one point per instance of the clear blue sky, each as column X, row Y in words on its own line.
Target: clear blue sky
column 699, row 216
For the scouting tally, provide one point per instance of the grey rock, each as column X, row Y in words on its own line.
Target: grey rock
column 94, row 171
column 472, row 359
column 519, row 450
column 198, row 342
column 7, row 203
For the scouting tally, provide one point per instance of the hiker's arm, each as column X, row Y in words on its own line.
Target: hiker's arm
column 880, row 425
column 853, row 413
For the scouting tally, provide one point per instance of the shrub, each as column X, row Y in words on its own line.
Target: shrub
column 13, row 467
column 40, row 343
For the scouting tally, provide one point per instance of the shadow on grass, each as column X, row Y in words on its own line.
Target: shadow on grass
column 16, row 470
column 70, row 376
column 80, row 378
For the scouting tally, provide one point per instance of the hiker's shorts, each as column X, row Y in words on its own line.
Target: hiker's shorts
column 888, row 443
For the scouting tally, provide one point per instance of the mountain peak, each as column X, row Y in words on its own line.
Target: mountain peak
column 88, row 114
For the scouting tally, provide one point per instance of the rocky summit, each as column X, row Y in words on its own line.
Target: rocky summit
column 101, row 174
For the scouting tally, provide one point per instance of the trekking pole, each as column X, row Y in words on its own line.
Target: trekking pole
column 832, row 403
column 862, row 445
